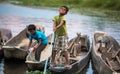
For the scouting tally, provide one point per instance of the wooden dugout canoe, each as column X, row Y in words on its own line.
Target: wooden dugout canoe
column 45, row 54
column 16, row 46
column 5, row 35
column 79, row 49
column 105, row 54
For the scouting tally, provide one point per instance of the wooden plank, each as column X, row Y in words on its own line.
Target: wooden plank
column 72, row 48
column 10, row 47
column 116, row 53
column 110, row 48
column 118, row 59
column 113, row 64
column 71, row 44
column 74, row 59
column 108, row 61
column 75, row 51
column 106, row 55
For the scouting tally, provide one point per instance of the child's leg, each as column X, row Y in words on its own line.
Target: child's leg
column 38, row 51
column 67, row 59
column 64, row 42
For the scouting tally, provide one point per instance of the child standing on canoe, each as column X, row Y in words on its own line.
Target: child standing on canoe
column 60, row 31
column 41, row 38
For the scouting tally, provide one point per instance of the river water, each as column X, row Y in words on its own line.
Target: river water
column 17, row 18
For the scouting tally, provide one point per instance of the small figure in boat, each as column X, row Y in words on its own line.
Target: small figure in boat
column 41, row 38
column 61, row 39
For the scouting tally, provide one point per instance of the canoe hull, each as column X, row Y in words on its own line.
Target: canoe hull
column 82, row 61
column 77, row 67
column 45, row 54
column 1, row 53
column 15, row 54
column 16, row 46
column 99, row 64
column 34, row 66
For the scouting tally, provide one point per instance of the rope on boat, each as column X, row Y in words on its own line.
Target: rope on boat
column 46, row 62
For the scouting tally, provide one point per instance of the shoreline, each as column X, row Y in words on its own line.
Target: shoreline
column 104, row 13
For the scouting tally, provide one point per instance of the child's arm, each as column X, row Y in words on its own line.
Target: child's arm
column 37, row 45
column 61, row 24
column 57, row 27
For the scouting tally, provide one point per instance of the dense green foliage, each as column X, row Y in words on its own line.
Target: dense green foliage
column 2, row 0
column 50, row 3
column 104, row 4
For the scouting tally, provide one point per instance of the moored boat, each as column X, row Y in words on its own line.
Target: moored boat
column 105, row 53
column 45, row 54
column 15, row 48
column 79, row 49
column 5, row 35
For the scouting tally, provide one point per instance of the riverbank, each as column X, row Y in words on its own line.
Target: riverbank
column 80, row 7
column 110, row 14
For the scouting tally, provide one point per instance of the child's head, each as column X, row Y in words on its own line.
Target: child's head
column 63, row 10
column 32, row 28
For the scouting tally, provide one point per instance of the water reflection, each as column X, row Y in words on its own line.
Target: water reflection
column 12, row 67
column 94, row 71
column 1, row 66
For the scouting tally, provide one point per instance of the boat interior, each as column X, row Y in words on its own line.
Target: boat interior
column 108, row 49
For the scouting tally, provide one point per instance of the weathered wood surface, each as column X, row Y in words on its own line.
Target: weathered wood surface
column 105, row 54
column 15, row 48
column 46, row 53
column 79, row 57
column 5, row 35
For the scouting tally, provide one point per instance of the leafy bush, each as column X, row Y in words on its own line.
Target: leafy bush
column 104, row 4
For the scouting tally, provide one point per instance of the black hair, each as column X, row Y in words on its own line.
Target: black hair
column 31, row 27
column 67, row 9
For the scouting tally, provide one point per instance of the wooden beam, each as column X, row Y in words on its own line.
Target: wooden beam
column 116, row 53
column 108, row 61
column 110, row 48
column 118, row 59
column 6, row 47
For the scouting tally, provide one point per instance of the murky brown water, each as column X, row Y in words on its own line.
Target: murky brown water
column 17, row 18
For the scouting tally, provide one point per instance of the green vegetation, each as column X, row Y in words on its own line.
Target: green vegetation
column 102, row 4
column 49, row 3
column 38, row 72
column 2, row 0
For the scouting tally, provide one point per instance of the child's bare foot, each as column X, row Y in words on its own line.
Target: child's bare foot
column 52, row 66
column 67, row 66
